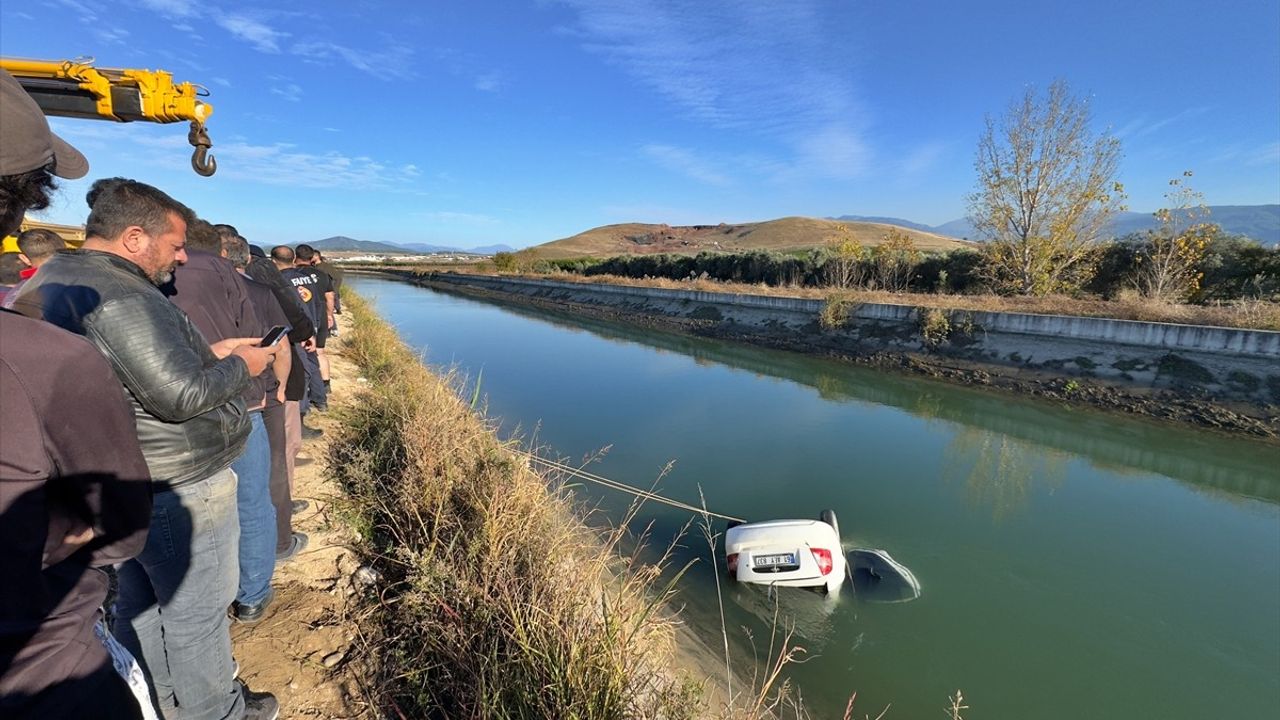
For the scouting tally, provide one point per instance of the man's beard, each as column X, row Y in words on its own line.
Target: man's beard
column 160, row 277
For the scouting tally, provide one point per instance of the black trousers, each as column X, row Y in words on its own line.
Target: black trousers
column 273, row 418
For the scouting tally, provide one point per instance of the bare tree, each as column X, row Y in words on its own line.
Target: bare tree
column 1169, row 261
column 1046, row 188
column 847, row 266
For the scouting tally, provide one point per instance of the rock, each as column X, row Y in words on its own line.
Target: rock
column 332, row 659
column 366, row 577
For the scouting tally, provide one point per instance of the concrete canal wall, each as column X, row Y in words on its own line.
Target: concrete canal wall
column 1226, row 363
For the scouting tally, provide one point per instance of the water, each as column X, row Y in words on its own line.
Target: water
column 1073, row 564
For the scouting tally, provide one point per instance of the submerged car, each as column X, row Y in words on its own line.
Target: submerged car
column 787, row 553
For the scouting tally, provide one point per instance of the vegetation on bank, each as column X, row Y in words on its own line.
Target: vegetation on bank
column 492, row 600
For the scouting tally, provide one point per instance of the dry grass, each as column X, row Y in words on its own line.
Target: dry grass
column 1255, row 314
column 783, row 234
column 496, row 602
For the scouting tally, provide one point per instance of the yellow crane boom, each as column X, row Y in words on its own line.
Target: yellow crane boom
column 75, row 88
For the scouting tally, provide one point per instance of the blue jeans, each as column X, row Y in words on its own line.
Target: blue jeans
column 171, row 610
column 257, row 515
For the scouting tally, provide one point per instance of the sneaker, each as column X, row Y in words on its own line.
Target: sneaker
column 296, row 545
column 300, row 506
column 259, row 705
column 250, row 614
column 302, row 461
column 310, row 433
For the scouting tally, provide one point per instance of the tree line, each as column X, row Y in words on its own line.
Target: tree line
column 1046, row 188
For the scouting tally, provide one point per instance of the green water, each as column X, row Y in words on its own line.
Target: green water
column 1074, row 565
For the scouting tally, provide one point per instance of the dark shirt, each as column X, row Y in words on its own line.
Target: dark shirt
column 211, row 293
column 266, row 272
column 312, row 284
column 70, row 461
column 270, row 314
column 334, row 272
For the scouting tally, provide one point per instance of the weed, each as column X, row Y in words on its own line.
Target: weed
column 935, row 326
column 1243, row 381
column 1180, row 368
column 835, row 312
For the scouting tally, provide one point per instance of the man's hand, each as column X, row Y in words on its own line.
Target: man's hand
column 280, row 394
column 309, row 344
column 223, row 348
column 256, row 358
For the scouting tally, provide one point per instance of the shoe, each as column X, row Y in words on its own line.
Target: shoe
column 310, row 433
column 235, row 669
column 300, row 462
column 320, row 407
column 300, row 506
column 259, row 705
column 250, row 614
column 296, row 545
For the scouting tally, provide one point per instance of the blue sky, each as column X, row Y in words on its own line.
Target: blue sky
column 469, row 123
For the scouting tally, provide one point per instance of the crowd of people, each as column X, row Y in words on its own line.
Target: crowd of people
column 153, row 384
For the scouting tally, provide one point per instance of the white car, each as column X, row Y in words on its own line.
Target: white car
column 787, row 553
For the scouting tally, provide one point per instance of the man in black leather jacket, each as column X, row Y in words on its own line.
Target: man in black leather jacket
column 186, row 398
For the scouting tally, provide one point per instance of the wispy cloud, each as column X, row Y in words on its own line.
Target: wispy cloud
column 489, row 82
column 280, row 164
column 1251, row 155
column 765, row 68
column 111, row 35
column 1143, row 125
column 221, row 81
column 291, row 92
column 172, row 8
column 686, row 162
column 395, row 60
column 922, row 159
column 261, row 36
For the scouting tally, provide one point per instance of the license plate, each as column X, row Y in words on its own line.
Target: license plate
column 768, row 561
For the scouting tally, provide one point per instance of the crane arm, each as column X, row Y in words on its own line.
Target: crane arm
column 75, row 88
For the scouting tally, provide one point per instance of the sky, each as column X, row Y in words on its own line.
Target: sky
column 473, row 123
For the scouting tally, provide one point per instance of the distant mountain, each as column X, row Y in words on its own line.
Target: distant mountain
column 342, row 243
column 888, row 221
column 1260, row 222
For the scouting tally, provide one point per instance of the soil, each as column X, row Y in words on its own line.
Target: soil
column 291, row 651
column 1184, row 407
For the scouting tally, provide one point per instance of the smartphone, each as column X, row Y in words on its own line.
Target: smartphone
column 274, row 336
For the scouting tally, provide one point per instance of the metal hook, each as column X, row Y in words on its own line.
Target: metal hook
column 201, row 161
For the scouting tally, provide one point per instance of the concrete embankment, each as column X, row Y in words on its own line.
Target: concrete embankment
column 1227, row 378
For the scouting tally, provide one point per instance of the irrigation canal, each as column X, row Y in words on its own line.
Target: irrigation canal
column 1073, row 564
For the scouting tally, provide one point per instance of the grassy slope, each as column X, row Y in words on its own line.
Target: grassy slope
column 791, row 233
column 495, row 601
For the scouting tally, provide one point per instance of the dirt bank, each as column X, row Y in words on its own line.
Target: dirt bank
column 1180, row 403
column 301, row 651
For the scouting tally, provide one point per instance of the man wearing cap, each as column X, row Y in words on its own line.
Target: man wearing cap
column 75, row 491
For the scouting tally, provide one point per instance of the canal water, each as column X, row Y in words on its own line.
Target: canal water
column 1073, row 564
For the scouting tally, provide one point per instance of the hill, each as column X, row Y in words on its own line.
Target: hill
column 784, row 234
column 342, row 243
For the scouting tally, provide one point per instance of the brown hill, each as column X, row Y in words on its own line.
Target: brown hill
column 784, row 234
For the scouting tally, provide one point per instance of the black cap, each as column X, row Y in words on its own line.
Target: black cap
column 256, row 251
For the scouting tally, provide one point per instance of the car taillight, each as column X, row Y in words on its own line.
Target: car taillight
column 824, row 559
column 733, row 563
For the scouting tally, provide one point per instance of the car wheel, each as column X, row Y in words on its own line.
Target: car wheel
column 829, row 517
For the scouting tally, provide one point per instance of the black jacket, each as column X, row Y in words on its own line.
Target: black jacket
column 191, row 419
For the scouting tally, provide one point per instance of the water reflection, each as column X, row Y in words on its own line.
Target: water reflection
column 999, row 471
column 1216, row 464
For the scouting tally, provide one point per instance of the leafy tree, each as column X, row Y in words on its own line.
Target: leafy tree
column 1046, row 188
column 1169, row 262
column 895, row 260
column 847, row 258
column 504, row 261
